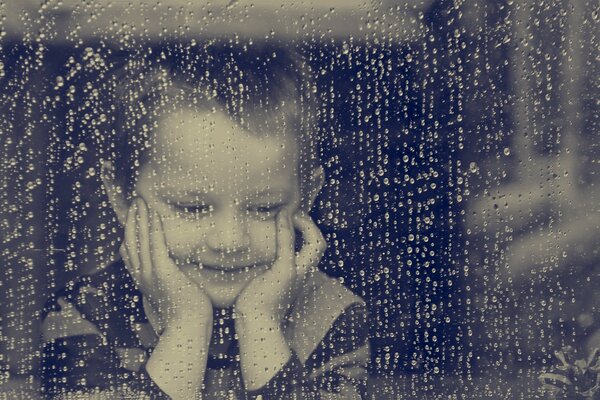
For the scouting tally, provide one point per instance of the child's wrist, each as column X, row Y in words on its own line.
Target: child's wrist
column 263, row 351
column 177, row 317
column 189, row 327
column 259, row 322
column 178, row 362
column 254, row 313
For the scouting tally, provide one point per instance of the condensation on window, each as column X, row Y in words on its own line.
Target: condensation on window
column 237, row 199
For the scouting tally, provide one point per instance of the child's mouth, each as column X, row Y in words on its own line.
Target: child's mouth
column 231, row 271
column 227, row 268
column 223, row 274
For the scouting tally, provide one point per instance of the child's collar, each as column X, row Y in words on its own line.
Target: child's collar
column 319, row 304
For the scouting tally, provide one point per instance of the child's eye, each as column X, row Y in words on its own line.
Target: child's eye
column 265, row 210
column 193, row 210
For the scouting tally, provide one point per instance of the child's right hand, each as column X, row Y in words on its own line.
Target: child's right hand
column 175, row 299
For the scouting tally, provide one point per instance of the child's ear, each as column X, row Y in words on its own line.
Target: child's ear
column 115, row 193
column 313, row 187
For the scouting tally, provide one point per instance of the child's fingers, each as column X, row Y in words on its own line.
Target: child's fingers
column 144, row 242
column 314, row 243
column 285, row 237
column 129, row 247
column 158, row 247
column 283, row 269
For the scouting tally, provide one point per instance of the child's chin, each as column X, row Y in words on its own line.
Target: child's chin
column 223, row 297
column 222, row 289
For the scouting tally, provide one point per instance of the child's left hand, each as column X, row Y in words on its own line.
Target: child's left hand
column 271, row 294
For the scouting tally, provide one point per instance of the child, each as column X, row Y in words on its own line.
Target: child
column 212, row 176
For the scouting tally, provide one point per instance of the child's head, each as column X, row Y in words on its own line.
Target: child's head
column 217, row 142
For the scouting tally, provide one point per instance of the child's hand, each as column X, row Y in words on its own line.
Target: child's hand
column 270, row 294
column 174, row 298
column 263, row 303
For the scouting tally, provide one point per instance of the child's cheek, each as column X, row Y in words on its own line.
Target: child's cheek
column 183, row 237
column 263, row 241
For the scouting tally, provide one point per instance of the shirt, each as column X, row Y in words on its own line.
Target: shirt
column 97, row 338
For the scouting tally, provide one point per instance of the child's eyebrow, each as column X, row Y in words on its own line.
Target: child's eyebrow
column 183, row 194
column 272, row 192
column 194, row 195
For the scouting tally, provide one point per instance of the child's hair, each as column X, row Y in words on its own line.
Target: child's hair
column 265, row 89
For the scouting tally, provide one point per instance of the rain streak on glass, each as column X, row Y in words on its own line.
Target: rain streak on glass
column 353, row 199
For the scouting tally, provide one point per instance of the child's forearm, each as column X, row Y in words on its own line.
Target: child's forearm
column 263, row 350
column 178, row 362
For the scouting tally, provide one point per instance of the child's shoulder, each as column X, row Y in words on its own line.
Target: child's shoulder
column 104, row 302
column 94, row 334
column 94, row 290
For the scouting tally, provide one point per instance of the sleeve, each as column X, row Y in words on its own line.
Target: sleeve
column 78, row 362
column 336, row 370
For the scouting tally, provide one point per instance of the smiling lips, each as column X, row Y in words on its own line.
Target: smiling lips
column 229, row 269
column 222, row 275
column 220, row 268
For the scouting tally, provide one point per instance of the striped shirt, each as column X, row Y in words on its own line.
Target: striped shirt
column 97, row 339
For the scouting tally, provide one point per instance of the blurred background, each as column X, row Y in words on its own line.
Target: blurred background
column 460, row 141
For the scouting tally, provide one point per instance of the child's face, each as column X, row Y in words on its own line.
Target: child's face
column 218, row 190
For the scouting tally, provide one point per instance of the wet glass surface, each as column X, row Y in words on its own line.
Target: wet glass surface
column 457, row 144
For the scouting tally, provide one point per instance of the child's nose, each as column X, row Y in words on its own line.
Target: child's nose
column 230, row 235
